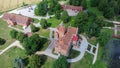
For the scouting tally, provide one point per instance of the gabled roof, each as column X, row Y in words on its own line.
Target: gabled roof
column 79, row 8
column 64, row 43
column 19, row 19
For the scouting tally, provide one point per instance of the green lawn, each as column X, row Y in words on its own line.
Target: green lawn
column 44, row 32
column 86, row 62
column 74, row 54
column 48, row 63
column 54, row 22
column 19, row 27
column 7, row 59
column 1, row 13
column 35, row 20
column 4, row 33
column 45, row 46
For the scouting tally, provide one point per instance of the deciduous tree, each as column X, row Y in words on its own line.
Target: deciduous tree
column 84, row 4
column 33, row 28
column 35, row 61
column 32, row 44
column 13, row 34
column 65, row 17
column 44, row 23
column 61, row 62
column 2, row 41
column 41, row 8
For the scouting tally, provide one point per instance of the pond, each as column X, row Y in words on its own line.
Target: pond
column 115, row 61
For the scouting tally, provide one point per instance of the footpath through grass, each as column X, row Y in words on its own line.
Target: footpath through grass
column 7, row 58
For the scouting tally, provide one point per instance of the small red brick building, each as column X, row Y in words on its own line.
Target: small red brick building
column 74, row 8
column 14, row 19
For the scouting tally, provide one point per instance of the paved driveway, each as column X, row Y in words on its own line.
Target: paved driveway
column 50, row 48
column 82, row 49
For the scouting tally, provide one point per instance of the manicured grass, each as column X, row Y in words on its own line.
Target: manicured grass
column 19, row 27
column 86, row 62
column 44, row 32
column 35, row 20
column 54, row 22
column 45, row 46
column 48, row 63
column 4, row 33
column 74, row 54
column 7, row 59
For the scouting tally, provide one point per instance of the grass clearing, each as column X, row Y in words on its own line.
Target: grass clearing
column 45, row 46
column 4, row 33
column 54, row 22
column 44, row 32
column 35, row 20
column 86, row 62
column 18, row 26
column 7, row 59
column 48, row 63
column 74, row 54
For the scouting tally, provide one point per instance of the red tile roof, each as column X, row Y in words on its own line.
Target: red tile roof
column 75, row 38
column 64, row 44
column 78, row 8
column 16, row 18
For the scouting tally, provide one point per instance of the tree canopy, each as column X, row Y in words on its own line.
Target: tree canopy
column 110, row 8
column 104, row 38
column 65, row 17
column 35, row 61
column 75, row 2
column 41, row 9
column 13, row 34
column 61, row 62
column 81, row 21
column 33, row 28
column 19, row 63
column 21, row 36
column 32, row 44
column 44, row 23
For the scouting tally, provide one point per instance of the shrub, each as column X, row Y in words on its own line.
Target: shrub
column 44, row 23
column 33, row 28
column 2, row 41
column 13, row 34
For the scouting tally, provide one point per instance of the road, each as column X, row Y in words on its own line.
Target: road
column 50, row 48
column 82, row 49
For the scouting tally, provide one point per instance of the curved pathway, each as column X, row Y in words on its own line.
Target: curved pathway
column 16, row 43
column 83, row 48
